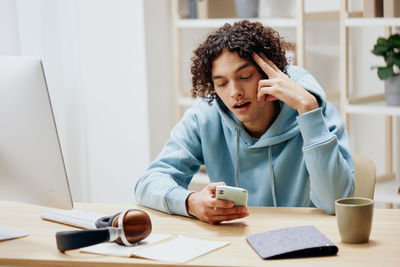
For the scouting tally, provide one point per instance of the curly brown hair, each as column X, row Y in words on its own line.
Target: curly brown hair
column 244, row 37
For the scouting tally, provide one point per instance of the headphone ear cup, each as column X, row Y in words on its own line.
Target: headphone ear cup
column 102, row 222
column 111, row 219
column 105, row 221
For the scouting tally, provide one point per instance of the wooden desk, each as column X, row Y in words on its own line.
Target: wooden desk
column 39, row 248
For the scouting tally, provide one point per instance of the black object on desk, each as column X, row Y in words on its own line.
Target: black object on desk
column 294, row 242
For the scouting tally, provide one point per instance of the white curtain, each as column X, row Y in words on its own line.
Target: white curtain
column 94, row 59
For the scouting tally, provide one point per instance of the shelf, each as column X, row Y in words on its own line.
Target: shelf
column 323, row 15
column 368, row 22
column 272, row 22
column 386, row 192
column 216, row 23
column 373, row 108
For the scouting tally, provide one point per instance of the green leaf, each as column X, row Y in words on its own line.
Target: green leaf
column 380, row 50
column 382, row 41
column 395, row 45
column 385, row 73
column 394, row 38
column 396, row 60
column 394, row 41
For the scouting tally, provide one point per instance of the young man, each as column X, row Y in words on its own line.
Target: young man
column 268, row 119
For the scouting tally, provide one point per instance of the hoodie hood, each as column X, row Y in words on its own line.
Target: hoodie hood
column 285, row 125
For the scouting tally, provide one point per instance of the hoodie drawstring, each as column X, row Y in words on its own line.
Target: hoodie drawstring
column 237, row 158
column 271, row 171
column 271, row 168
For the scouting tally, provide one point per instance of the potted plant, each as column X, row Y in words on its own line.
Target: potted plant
column 389, row 49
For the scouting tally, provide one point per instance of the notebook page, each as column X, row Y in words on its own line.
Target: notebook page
column 113, row 249
column 178, row 249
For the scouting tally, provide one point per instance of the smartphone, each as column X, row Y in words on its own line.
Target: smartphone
column 236, row 194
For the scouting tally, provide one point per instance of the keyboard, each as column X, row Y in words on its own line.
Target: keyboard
column 79, row 218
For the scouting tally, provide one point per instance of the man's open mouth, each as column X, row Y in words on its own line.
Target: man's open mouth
column 241, row 105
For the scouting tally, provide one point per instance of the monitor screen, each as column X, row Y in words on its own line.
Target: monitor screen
column 32, row 168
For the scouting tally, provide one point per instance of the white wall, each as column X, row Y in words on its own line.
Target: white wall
column 94, row 57
column 9, row 44
column 161, row 98
column 112, row 52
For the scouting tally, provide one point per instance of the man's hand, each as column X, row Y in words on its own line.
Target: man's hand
column 204, row 206
column 280, row 86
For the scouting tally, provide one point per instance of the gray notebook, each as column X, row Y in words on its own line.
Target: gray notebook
column 294, row 242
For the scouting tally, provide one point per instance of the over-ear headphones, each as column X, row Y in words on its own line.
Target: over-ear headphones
column 125, row 228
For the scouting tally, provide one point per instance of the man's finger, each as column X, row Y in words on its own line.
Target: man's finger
column 264, row 65
column 230, row 211
column 267, row 83
column 266, row 93
column 270, row 98
column 219, row 203
column 213, row 186
column 269, row 62
column 266, row 97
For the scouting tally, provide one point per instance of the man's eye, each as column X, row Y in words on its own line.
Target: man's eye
column 221, row 84
column 246, row 77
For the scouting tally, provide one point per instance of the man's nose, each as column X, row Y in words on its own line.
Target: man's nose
column 236, row 90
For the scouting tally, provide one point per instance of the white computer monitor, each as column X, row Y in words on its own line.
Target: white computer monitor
column 32, row 167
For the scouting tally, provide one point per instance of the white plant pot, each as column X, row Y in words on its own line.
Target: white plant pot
column 392, row 90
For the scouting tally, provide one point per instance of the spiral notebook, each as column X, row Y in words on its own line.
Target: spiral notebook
column 169, row 248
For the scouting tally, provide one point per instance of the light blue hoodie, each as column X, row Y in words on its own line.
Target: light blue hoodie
column 300, row 161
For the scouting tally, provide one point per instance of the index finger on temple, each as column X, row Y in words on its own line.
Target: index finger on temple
column 263, row 65
column 269, row 62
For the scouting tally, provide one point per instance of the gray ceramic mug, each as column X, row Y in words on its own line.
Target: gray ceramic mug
column 354, row 219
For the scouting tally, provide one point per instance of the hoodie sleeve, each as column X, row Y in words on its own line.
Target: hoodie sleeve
column 164, row 184
column 327, row 156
